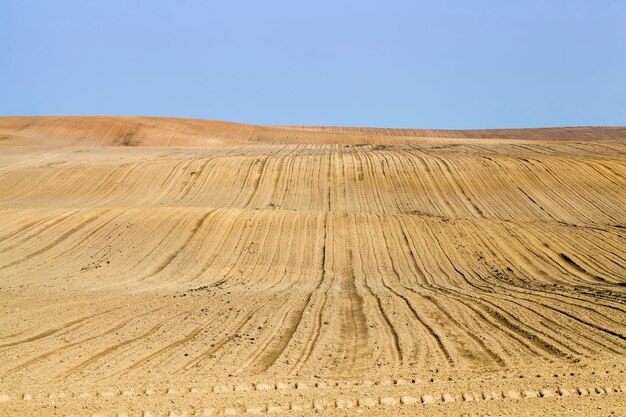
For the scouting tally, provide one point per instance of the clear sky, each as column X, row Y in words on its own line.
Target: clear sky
column 389, row 63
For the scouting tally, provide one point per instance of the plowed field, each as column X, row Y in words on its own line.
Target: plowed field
column 184, row 267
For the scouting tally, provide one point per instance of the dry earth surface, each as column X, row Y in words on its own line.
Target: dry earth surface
column 173, row 267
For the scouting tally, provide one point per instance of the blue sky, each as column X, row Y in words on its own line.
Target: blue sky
column 431, row 64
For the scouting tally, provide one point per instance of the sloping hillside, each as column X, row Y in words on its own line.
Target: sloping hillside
column 156, row 266
column 159, row 131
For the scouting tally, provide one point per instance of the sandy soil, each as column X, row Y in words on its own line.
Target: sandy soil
column 153, row 266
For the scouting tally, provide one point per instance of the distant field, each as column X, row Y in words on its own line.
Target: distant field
column 155, row 266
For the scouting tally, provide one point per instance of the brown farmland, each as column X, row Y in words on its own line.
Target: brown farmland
column 178, row 267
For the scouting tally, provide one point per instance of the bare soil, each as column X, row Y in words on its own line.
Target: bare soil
column 177, row 267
